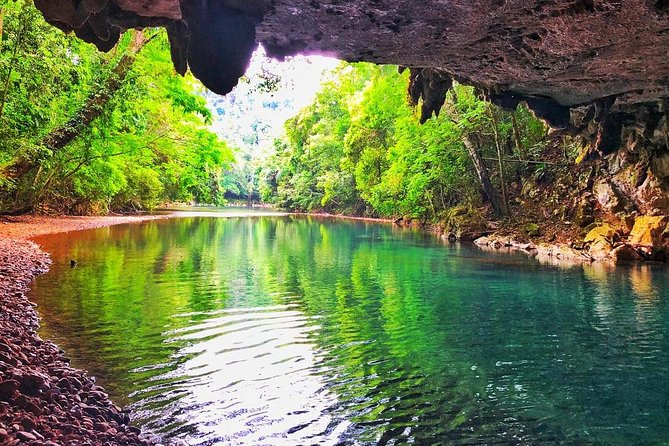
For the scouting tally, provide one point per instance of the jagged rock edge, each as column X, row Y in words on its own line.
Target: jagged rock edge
column 215, row 39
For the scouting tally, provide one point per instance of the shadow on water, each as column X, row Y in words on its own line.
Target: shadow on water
column 296, row 330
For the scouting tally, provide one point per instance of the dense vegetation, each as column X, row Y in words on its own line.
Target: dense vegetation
column 360, row 149
column 82, row 131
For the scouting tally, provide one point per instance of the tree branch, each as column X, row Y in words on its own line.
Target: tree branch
column 91, row 110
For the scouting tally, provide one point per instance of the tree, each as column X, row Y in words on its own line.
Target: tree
column 89, row 111
column 389, row 164
column 85, row 132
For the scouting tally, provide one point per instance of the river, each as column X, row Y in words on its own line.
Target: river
column 294, row 330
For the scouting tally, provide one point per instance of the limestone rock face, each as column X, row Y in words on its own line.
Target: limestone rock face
column 634, row 180
column 648, row 231
column 652, row 195
column 554, row 55
column 169, row 9
column 607, row 197
column 213, row 39
column 527, row 47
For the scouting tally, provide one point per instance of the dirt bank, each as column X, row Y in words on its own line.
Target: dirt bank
column 28, row 226
column 344, row 217
column 44, row 401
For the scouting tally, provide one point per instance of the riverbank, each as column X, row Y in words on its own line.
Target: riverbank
column 344, row 217
column 44, row 401
column 646, row 238
column 25, row 227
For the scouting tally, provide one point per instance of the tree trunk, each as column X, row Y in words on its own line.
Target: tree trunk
column 482, row 173
column 473, row 149
column 522, row 153
column 500, row 158
column 2, row 19
column 91, row 110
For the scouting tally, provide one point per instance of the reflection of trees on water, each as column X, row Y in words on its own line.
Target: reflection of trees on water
column 415, row 340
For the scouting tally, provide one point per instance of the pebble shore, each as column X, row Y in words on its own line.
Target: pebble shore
column 44, row 401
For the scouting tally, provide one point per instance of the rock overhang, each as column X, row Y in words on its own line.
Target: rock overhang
column 576, row 63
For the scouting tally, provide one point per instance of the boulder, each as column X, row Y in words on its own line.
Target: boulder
column 647, row 231
column 608, row 198
column 624, row 254
column 600, row 250
column 523, row 246
column 548, row 253
column 482, row 241
column 602, row 232
column 601, row 239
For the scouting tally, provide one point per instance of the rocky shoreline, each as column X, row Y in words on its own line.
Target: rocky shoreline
column 640, row 239
column 44, row 401
column 603, row 242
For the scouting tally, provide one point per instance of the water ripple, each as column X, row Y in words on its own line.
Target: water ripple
column 250, row 367
column 290, row 331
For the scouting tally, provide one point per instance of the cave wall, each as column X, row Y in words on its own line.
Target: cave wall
column 571, row 51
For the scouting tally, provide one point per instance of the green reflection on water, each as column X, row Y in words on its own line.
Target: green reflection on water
column 415, row 340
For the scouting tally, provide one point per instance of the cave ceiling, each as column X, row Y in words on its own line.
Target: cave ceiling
column 573, row 62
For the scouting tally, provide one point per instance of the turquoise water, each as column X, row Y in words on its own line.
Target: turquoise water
column 292, row 330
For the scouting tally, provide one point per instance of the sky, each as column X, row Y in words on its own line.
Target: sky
column 248, row 110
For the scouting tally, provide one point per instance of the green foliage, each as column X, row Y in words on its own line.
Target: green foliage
column 357, row 149
column 42, row 74
column 360, row 149
column 149, row 145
